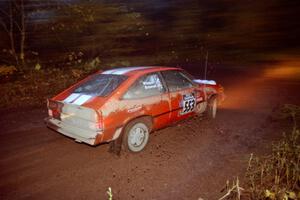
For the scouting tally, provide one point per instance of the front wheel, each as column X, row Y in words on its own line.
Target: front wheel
column 136, row 135
column 212, row 107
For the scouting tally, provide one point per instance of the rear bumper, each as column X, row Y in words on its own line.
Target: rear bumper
column 80, row 135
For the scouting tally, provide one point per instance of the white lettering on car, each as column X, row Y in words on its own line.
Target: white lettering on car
column 152, row 82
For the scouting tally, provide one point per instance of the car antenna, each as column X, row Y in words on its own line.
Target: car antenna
column 205, row 69
column 205, row 72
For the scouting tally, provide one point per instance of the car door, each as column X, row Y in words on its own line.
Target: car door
column 182, row 94
column 148, row 96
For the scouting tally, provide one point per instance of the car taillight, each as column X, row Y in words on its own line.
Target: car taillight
column 54, row 108
column 50, row 112
column 52, row 105
column 99, row 123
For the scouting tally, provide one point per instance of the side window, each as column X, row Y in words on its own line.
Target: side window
column 148, row 85
column 176, row 80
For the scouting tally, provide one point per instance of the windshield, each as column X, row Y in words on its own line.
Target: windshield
column 100, row 85
column 188, row 76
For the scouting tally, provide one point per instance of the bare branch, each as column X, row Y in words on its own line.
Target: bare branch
column 4, row 25
column 5, row 13
column 16, row 5
column 17, row 24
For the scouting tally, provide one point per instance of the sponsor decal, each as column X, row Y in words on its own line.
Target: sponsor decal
column 188, row 103
column 134, row 109
column 152, row 82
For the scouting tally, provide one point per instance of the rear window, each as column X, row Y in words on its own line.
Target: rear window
column 100, row 85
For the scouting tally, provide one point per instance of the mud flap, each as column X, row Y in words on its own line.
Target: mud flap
column 115, row 146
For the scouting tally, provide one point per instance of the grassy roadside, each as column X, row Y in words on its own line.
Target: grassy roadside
column 275, row 176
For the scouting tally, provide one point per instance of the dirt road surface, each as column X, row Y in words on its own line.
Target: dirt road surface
column 186, row 161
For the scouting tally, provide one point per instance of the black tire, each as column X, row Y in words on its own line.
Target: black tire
column 136, row 134
column 212, row 107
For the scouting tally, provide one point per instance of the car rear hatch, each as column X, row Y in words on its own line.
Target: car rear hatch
column 76, row 121
column 74, row 112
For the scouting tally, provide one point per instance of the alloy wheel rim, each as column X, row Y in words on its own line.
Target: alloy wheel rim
column 137, row 136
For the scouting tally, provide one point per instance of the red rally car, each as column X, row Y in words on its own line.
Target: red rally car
column 129, row 103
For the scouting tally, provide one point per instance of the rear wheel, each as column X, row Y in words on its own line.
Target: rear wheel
column 212, row 107
column 136, row 135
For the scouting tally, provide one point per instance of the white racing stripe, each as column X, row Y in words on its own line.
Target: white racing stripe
column 71, row 98
column 82, row 99
column 123, row 70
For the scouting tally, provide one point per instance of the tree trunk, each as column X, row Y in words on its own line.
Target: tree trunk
column 23, row 34
column 11, row 34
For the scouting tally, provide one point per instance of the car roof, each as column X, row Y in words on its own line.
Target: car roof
column 138, row 70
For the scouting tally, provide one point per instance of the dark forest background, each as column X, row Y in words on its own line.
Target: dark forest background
column 56, row 33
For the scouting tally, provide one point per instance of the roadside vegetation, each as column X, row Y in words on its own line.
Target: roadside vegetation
column 275, row 176
column 32, row 88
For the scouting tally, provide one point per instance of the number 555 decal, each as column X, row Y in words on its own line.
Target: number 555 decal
column 188, row 103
